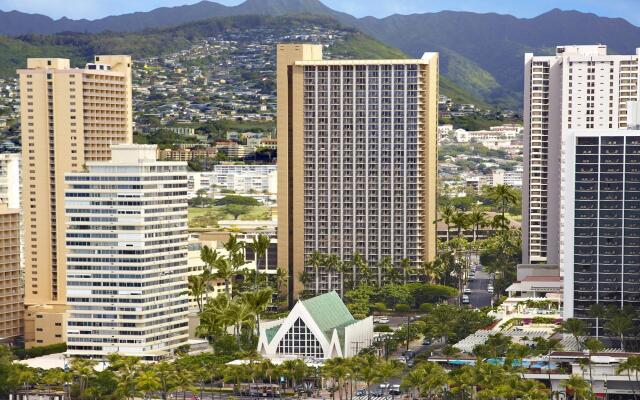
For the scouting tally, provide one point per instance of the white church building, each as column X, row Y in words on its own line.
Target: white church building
column 318, row 328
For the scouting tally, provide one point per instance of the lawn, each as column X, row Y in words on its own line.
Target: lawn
column 209, row 216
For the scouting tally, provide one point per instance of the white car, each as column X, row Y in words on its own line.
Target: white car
column 465, row 299
column 490, row 289
column 383, row 320
column 466, row 290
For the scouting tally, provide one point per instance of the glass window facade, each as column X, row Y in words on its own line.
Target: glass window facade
column 300, row 341
column 607, row 223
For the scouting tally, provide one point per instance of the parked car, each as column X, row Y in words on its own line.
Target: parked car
column 426, row 342
column 490, row 289
column 465, row 299
column 395, row 390
column 361, row 392
column 466, row 290
column 383, row 320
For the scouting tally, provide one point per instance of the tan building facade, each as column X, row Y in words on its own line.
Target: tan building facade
column 11, row 303
column 356, row 161
column 69, row 116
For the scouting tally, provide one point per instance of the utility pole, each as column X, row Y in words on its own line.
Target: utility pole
column 407, row 333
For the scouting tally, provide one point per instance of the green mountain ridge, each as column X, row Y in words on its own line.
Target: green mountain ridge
column 80, row 47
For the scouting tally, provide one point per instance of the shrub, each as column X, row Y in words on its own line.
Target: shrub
column 382, row 328
column 40, row 351
column 380, row 307
column 424, row 307
column 402, row 307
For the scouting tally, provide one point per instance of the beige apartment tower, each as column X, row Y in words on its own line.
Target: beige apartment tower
column 11, row 305
column 69, row 116
column 356, row 161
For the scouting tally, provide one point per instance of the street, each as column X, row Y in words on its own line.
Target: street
column 479, row 296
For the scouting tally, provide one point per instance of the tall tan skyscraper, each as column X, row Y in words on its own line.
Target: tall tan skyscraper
column 69, row 116
column 356, row 161
column 11, row 305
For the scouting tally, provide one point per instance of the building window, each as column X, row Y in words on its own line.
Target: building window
column 299, row 340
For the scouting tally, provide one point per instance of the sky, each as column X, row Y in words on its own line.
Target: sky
column 93, row 9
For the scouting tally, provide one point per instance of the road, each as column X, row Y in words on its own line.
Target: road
column 479, row 296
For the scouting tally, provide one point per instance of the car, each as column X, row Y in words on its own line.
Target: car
column 465, row 299
column 426, row 342
column 395, row 390
column 383, row 320
column 361, row 392
column 490, row 289
column 467, row 290
column 402, row 359
column 377, row 393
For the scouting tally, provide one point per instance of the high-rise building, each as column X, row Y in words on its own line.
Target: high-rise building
column 127, row 263
column 356, row 160
column 69, row 116
column 601, row 223
column 10, row 183
column 11, row 305
column 580, row 87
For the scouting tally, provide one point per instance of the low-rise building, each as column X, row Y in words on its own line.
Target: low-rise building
column 319, row 328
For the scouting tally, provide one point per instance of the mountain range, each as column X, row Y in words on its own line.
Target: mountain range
column 482, row 53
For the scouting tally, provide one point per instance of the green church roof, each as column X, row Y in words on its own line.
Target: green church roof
column 329, row 312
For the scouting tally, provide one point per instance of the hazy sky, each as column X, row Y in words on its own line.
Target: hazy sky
column 92, row 9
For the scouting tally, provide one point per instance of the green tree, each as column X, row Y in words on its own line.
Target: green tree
column 446, row 215
column 258, row 301
column 631, row 364
column 574, row 327
column 197, row 289
column 260, row 245
column 316, row 259
column 578, row 387
column 619, row 325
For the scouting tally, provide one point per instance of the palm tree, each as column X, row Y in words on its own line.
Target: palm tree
column 359, row 265
column 233, row 245
column 384, row 265
column 260, row 245
column 366, row 370
column 578, row 386
column 631, row 364
column 446, row 216
column 225, row 270
column 594, row 346
column 460, row 222
column 241, row 315
column 414, row 380
column 210, row 258
column 337, row 369
column 476, row 219
column 504, row 196
column 197, row 289
column 165, row 374
column 82, row 369
column 293, row 370
column 619, row 325
column 147, row 382
column 127, row 370
column 214, row 318
column 316, row 259
column 574, row 327
column 431, row 270
column 405, row 266
column 258, row 301
column 332, row 264
column 597, row 311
